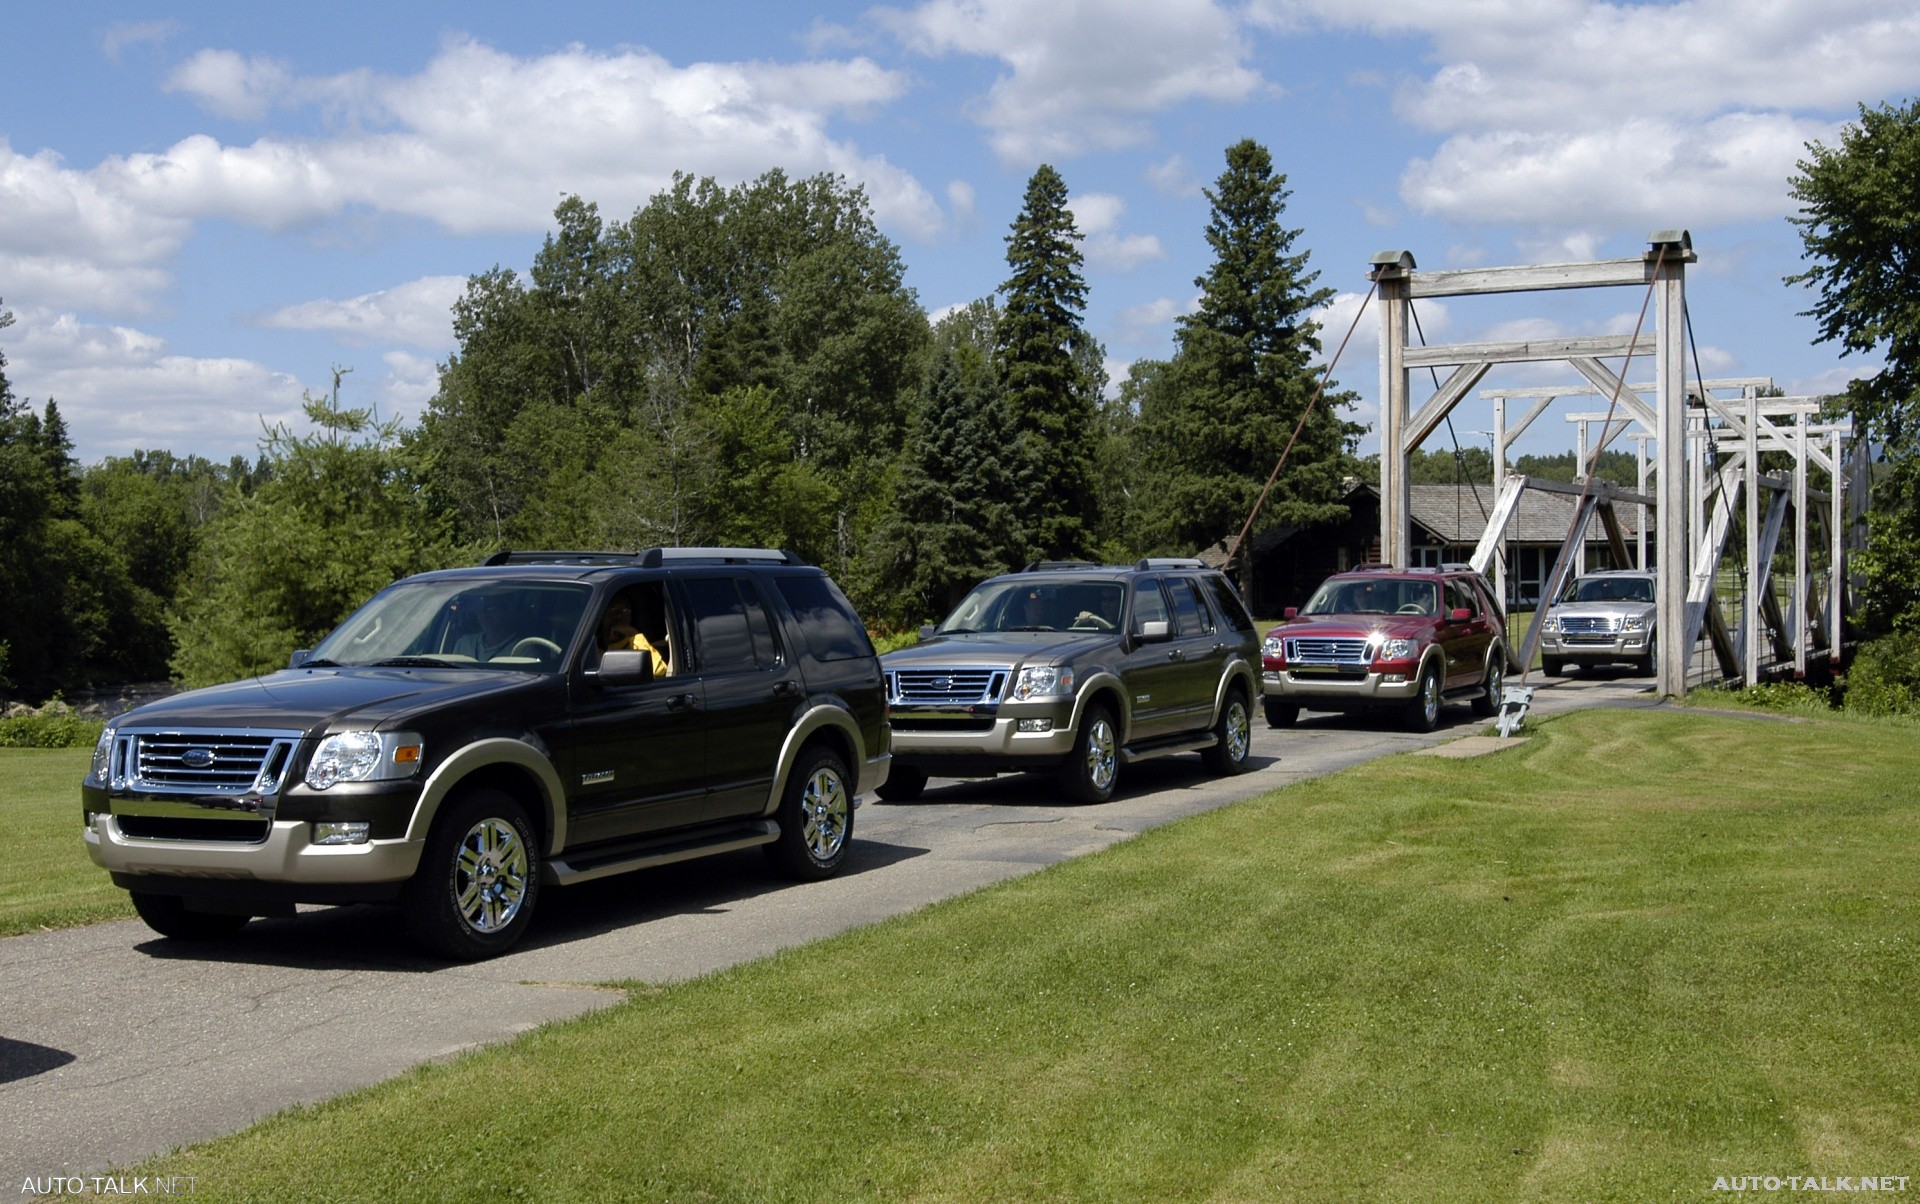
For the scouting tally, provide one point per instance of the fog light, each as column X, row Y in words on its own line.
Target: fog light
column 340, row 833
column 1036, row 725
column 1394, row 679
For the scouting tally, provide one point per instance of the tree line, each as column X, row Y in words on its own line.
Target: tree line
column 729, row 365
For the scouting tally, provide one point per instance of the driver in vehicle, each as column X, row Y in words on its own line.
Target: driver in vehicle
column 497, row 633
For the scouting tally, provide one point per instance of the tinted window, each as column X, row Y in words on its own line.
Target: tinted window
column 720, row 619
column 826, row 618
column 1460, row 596
column 766, row 647
column 1227, row 603
column 1187, row 608
column 1148, row 604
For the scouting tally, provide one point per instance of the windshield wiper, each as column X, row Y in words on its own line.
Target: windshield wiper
column 415, row 662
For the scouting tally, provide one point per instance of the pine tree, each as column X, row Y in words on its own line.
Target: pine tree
column 1040, row 350
column 1241, row 376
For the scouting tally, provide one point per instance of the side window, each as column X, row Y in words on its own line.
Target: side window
column 1149, row 604
column 1226, row 601
column 1187, row 607
column 720, row 621
column 825, row 616
column 766, row 645
column 1459, row 595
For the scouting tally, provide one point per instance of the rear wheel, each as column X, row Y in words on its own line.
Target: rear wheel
column 168, row 916
column 1094, row 764
column 473, row 895
column 816, row 817
column 1234, row 733
column 903, row 784
column 1423, row 710
column 1487, row 702
column 1280, row 714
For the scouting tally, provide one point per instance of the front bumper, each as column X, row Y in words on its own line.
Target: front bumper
column 1333, row 691
column 1618, row 646
column 287, row 855
column 925, row 734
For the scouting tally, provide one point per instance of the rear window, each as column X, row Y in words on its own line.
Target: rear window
column 826, row 618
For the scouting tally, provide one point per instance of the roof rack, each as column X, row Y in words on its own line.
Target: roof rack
column 1172, row 562
column 653, row 558
column 1047, row 566
column 510, row 556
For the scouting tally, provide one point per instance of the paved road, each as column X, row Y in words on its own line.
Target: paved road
column 115, row 1044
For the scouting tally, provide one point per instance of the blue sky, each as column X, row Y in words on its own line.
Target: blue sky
column 203, row 208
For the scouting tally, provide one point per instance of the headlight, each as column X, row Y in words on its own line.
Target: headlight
column 1398, row 650
column 1552, row 623
column 1270, row 646
column 102, row 756
column 1635, row 623
column 1043, row 681
column 363, row 757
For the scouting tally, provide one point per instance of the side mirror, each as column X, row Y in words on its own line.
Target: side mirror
column 1154, row 631
column 1460, row 614
column 1291, row 612
column 926, row 631
column 624, row 667
column 300, row 657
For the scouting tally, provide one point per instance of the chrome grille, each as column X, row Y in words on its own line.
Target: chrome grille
column 199, row 761
column 1306, row 650
column 1573, row 624
column 965, row 685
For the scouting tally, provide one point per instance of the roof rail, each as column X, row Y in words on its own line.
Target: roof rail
column 1044, row 566
column 1172, row 562
column 653, row 558
column 510, row 556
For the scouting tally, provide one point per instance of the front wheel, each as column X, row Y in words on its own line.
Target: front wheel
column 1487, row 702
column 1423, row 711
column 1094, row 764
column 1551, row 667
column 903, row 784
column 815, row 816
column 168, row 915
column 1280, row 714
column 1233, row 735
column 473, row 895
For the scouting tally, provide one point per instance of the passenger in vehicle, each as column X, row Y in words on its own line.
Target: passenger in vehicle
column 618, row 632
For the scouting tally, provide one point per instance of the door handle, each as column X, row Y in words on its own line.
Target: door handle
column 682, row 702
column 1176, row 655
column 787, row 689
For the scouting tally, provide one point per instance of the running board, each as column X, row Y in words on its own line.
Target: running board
column 641, row 854
column 1179, row 744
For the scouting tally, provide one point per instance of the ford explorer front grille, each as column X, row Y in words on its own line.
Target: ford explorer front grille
column 1589, row 623
column 199, row 761
column 909, row 686
column 1307, row 650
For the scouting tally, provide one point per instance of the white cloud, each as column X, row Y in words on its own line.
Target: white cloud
column 229, row 85
column 1161, row 311
column 410, row 383
column 70, row 238
column 417, row 314
column 1174, row 177
column 1097, row 215
column 121, row 389
column 122, row 34
column 1082, row 75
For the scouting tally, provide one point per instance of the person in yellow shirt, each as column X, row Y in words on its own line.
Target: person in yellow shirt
column 618, row 633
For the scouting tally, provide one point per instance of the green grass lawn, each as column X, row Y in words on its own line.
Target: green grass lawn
column 1639, row 951
column 48, row 880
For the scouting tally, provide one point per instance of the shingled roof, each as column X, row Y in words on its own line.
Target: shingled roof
column 1455, row 516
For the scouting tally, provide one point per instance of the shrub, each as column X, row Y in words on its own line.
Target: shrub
column 1885, row 676
column 1783, row 696
column 54, row 725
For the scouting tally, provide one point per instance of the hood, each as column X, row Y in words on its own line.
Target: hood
column 1328, row 626
column 304, row 699
column 997, row 648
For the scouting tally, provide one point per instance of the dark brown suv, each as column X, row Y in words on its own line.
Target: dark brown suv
column 1401, row 640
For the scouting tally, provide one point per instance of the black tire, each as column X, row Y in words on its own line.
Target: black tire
column 1280, row 714
column 815, row 815
column 1423, row 709
column 1234, row 733
column 1649, row 665
column 479, row 877
column 1486, row 704
column 904, row 784
column 168, row 916
column 1091, row 769
column 1551, row 667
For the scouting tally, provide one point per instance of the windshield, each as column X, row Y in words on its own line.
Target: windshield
column 1039, row 606
column 508, row 625
column 1612, row 589
column 1375, row 596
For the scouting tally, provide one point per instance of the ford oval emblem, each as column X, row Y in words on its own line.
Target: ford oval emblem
column 197, row 758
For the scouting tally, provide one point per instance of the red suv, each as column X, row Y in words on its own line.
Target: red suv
column 1400, row 639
